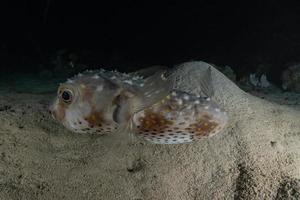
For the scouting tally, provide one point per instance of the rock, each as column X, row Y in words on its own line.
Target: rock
column 264, row 83
column 228, row 71
column 291, row 78
column 259, row 81
column 253, row 80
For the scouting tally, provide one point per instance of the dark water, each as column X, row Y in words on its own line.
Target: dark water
column 40, row 40
column 28, row 83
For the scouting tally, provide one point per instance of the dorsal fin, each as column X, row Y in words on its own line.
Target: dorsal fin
column 149, row 71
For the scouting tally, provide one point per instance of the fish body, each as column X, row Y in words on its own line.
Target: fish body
column 109, row 101
column 180, row 118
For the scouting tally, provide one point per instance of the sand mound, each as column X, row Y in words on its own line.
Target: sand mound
column 258, row 157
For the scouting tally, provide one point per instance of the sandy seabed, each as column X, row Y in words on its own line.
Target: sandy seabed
column 257, row 157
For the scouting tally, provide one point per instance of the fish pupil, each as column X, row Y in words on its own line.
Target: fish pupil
column 66, row 96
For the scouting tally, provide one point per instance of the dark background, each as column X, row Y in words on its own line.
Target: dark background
column 241, row 34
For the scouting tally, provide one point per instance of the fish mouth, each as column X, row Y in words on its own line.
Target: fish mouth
column 52, row 111
column 53, row 115
column 57, row 113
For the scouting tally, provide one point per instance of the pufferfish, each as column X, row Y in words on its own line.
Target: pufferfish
column 109, row 101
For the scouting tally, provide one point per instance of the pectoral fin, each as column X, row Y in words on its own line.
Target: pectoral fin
column 129, row 102
column 155, row 89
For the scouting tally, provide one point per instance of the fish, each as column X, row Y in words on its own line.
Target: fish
column 112, row 102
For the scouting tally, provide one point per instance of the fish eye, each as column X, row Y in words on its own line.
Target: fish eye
column 66, row 96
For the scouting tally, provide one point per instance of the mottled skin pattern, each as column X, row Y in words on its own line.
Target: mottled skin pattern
column 153, row 122
column 180, row 118
column 83, row 114
column 204, row 126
